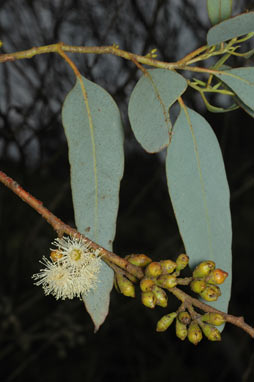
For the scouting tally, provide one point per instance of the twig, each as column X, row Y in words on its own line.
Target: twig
column 190, row 301
column 61, row 228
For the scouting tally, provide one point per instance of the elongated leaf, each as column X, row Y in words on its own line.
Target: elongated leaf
column 199, row 193
column 244, row 107
column 219, row 10
column 149, row 104
column 241, row 81
column 96, row 160
column 233, row 27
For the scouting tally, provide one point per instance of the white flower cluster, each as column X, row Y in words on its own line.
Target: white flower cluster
column 72, row 271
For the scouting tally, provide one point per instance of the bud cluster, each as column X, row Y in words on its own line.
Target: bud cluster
column 193, row 329
column 125, row 286
column 206, row 279
column 159, row 275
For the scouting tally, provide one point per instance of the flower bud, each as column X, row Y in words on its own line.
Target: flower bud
column 146, row 284
column 203, row 269
column 140, row 260
column 184, row 318
column 161, row 296
column 182, row 261
column 198, row 285
column 194, row 333
column 216, row 276
column 212, row 333
column 153, row 269
column 126, row 286
column 168, row 266
column 148, row 299
column 181, row 330
column 213, row 318
column 167, row 281
column 56, row 255
column 165, row 322
column 211, row 293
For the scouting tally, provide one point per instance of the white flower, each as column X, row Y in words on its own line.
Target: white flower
column 75, row 253
column 72, row 271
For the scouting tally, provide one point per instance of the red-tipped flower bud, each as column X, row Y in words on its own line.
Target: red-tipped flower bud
column 211, row 293
column 55, row 255
column 153, row 269
column 216, row 276
column 126, row 286
column 165, row 322
column 140, row 260
column 194, row 333
column 148, row 299
column 168, row 266
column 182, row 261
column 203, row 269
column 167, row 281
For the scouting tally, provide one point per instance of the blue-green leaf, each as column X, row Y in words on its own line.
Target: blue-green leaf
column 244, row 107
column 231, row 28
column 149, row 104
column 199, row 193
column 96, row 159
column 241, row 81
column 219, row 10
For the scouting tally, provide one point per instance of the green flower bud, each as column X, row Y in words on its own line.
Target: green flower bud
column 181, row 330
column 212, row 333
column 216, row 276
column 161, row 296
column 153, row 269
column 194, row 333
column 167, row 281
column 165, row 322
column 148, row 299
column 203, row 269
column 198, row 285
column 140, row 260
column 168, row 266
column 182, row 261
column 213, row 318
column 211, row 293
column 146, row 284
column 126, row 286
column 184, row 318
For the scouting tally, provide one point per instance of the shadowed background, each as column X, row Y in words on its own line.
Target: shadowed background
column 43, row 339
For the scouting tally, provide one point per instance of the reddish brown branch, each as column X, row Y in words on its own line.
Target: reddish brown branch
column 60, row 227
column 188, row 300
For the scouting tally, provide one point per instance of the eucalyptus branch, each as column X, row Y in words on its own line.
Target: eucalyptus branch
column 119, row 265
column 61, row 228
column 190, row 301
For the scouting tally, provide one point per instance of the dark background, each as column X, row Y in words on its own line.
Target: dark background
column 45, row 340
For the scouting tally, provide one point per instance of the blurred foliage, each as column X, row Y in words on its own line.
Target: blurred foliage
column 40, row 338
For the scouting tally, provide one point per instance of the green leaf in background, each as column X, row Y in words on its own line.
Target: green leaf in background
column 199, row 193
column 96, row 159
column 241, row 81
column 219, row 10
column 228, row 29
column 149, row 104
